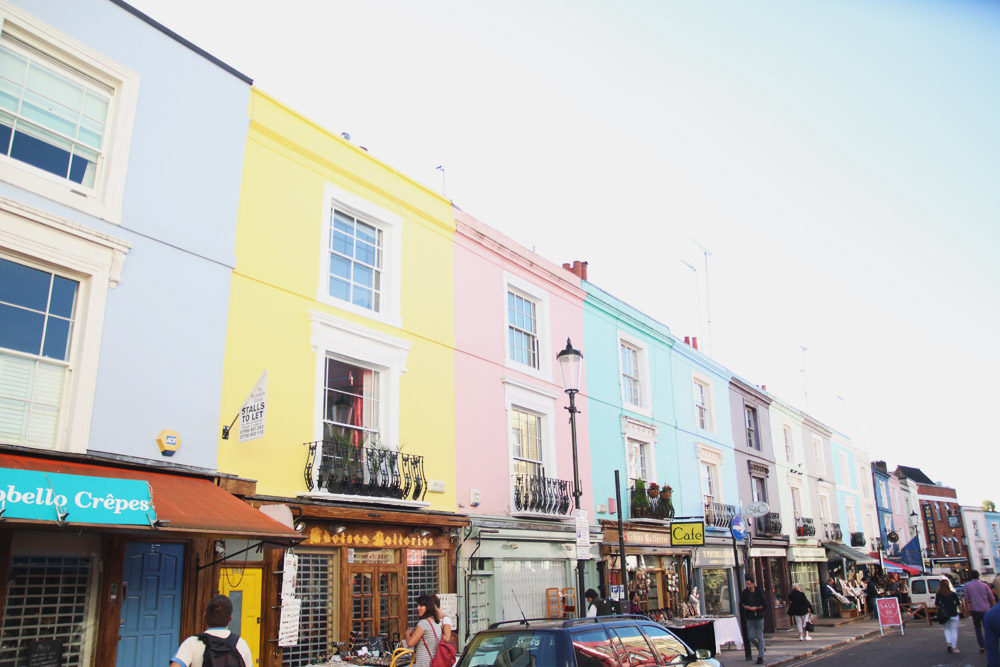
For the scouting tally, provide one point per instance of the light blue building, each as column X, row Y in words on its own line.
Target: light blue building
column 121, row 149
column 993, row 533
column 848, row 489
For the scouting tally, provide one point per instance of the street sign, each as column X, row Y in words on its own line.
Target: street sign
column 757, row 509
column 738, row 528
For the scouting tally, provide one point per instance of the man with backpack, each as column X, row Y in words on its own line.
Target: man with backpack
column 217, row 646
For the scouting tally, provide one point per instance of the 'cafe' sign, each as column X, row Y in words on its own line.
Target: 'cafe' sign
column 688, row 533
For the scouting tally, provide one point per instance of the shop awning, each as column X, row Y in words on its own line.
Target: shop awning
column 182, row 503
column 899, row 567
column 844, row 551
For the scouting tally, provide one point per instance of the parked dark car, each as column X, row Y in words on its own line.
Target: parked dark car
column 604, row 641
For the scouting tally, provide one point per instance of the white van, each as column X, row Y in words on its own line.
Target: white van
column 923, row 589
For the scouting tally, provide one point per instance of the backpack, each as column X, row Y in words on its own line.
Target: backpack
column 444, row 656
column 221, row 652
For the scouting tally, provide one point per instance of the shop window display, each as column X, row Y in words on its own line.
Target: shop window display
column 717, row 593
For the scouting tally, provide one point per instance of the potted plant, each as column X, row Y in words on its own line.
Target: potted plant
column 666, row 494
column 639, row 497
column 653, row 490
column 666, row 491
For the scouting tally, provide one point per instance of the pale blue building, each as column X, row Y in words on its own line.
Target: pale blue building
column 848, row 489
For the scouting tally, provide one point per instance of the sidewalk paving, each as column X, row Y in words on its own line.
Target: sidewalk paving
column 784, row 647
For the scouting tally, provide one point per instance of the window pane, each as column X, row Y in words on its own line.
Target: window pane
column 362, row 297
column 40, row 152
column 363, row 276
column 365, row 233
column 343, row 223
column 22, row 285
column 56, row 339
column 638, row 650
column 340, row 266
column 593, row 649
column 340, row 289
column 63, row 296
column 365, row 252
column 21, row 329
column 343, row 244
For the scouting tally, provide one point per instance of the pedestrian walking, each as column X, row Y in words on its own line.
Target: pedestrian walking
column 424, row 638
column 217, row 646
column 947, row 603
column 981, row 600
column 871, row 594
column 991, row 623
column 800, row 610
column 753, row 603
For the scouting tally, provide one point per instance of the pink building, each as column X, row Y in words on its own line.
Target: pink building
column 514, row 465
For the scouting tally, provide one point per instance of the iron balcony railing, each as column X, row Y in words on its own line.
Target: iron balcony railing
column 833, row 532
column 769, row 524
column 894, row 550
column 857, row 539
column 877, row 543
column 804, row 527
column 542, row 495
column 719, row 515
column 354, row 470
column 644, row 506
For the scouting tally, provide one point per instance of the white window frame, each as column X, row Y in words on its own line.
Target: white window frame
column 706, row 383
column 818, row 458
column 845, row 470
column 35, row 238
column 795, row 489
column 644, row 434
column 331, row 337
column 862, row 475
column 824, row 505
column 713, row 458
column 849, row 510
column 642, row 359
column 789, row 440
column 104, row 200
column 535, row 400
column 528, row 290
column 391, row 226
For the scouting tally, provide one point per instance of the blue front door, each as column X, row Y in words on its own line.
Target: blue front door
column 149, row 631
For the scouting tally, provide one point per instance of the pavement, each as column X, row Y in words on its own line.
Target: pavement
column 783, row 647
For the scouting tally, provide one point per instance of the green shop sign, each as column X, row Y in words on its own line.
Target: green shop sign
column 50, row 496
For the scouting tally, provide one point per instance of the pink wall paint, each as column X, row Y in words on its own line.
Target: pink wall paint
column 482, row 429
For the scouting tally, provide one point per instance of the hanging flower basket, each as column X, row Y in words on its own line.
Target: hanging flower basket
column 653, row 490
column 666, row 492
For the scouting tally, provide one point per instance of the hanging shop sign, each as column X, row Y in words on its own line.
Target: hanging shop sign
column 929, row 522
column 51, row 496
column 688, row 533
column 582, row 535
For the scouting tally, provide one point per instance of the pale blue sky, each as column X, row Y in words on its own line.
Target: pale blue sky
column 841, row 160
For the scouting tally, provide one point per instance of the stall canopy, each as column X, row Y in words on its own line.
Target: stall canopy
column 182, row 503
column 897, row 567
column 843, row 551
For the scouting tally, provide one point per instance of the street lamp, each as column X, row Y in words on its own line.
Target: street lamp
column 570, row 361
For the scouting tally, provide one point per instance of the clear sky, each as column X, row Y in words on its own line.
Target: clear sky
column 840, row 159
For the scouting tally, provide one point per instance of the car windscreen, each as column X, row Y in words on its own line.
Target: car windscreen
column 522, row 648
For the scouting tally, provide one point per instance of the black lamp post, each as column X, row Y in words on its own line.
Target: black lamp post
column 570, row 361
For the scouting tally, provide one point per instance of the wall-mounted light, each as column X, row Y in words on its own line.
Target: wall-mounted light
column 335, row 529
column 420, row 532
column 300, row 526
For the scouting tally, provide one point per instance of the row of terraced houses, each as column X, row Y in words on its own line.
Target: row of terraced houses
column 287, row 372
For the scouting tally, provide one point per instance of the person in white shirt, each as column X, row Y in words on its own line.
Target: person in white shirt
column 218, row 615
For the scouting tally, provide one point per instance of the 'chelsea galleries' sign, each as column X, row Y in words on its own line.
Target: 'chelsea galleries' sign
column 51, row 496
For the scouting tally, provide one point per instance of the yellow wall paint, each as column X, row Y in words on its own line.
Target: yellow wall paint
column 282, row 211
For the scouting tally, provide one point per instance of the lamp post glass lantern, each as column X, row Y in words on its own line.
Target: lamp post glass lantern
column 570, row 361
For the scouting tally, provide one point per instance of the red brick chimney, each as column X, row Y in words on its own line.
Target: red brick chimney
column 578, row 268
column 694, row 342
column 687, row 339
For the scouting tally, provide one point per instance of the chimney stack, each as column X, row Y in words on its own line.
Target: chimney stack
column 763, row 387
column 687, row 339
column 694, row 342
column 577, row 268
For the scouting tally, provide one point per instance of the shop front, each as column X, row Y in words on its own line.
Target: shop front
column 657, row 570
column 769, row 565
column 714, row 569
column 102, row 563
column 804, row 564
column 357, row 575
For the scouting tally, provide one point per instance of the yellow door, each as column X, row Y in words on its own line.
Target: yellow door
column 242, row 585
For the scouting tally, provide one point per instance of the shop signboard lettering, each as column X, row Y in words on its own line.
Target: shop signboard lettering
column 582, row 535
column 687, row 533
column 711, row 557
column 377, row 539
column 762, row 552
column 929, row 522
column 647, row 538
column 51, row 496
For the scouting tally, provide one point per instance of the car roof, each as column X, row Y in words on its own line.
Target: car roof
column 561, row 623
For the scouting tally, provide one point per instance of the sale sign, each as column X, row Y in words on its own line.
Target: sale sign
column 888, row 614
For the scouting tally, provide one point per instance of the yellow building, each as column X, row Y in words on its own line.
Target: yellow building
column 339, row 367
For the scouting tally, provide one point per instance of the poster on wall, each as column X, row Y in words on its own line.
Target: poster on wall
column 288, row 626
column 252, row 412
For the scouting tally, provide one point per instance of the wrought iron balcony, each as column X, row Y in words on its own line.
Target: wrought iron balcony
column 857, row 539
column 542, row 495
column 877, row 543
column 804, row 527
column 769, row 524
column 719, row 515
column 644, row 506
column 350, row 469
column 833, row 533
column 893, row 551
